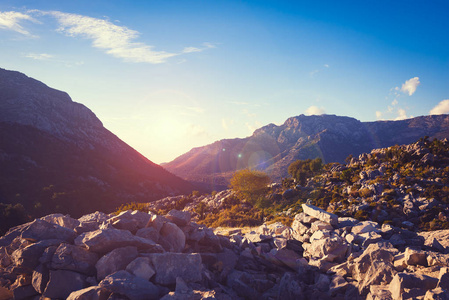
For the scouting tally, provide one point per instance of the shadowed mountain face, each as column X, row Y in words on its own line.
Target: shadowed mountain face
column 273, row 148
column 56, row 156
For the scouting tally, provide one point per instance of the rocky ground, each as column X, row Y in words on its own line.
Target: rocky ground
column 137, row 255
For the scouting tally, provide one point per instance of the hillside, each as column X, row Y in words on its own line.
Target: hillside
column 381, row 233
column 56, row 156
column 273, row 148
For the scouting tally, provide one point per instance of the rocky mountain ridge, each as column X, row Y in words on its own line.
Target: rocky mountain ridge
column 273, row 148
column 55, row 155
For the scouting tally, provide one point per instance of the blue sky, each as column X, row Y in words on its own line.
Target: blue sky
column 167, row 76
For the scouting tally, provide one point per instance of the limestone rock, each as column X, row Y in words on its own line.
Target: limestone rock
column 28, row 257
column 437, row 294
column 115, row 260
column 62, row 220
column 402, row 281
column 180, row 218
column 415, row 257
column 134, row 288
column 41, row 230
column 63, row 282
column 90, row 293
column 105, row 240
column 172, row 238
column 141, row 267
column 75, row 258
column 40, row 278
column 168, row 266
column 320, row 214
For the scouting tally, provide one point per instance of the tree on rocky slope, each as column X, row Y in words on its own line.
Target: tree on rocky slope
column 250, row 185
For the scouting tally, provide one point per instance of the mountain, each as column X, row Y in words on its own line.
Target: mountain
column 55, row 155
column 273, row 148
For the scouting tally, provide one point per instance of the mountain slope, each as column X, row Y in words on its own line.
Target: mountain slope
column 55, row 154
column 273, row 148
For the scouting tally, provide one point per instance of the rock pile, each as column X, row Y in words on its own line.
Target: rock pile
column 136, row 255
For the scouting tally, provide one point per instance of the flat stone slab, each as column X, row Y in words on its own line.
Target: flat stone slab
column 320, row 214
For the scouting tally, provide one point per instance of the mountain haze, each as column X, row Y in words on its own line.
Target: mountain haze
column 273, row 148
column 55, row 155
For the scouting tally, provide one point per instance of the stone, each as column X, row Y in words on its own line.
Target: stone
column 39, row 230
column 320, row 225
column 148, row 233
column 374, row 266
column 379, row 292
column 115, row 260
column 299, row 228
column 290, row 288
column 180, row 218
column 365, row 226
column 134, row 288
column 172, row 238
column 442, row 237
column 102, row 241
column 28, row 257
column 415, row 257
column 75, row 258
column 40, row 278
column 63, row 282
column 443, row 278
column 5, row 260
column 320, row 214
column 322, row 283
column 337, row 285
column 367, row 238
column 141, row 267
column 62, row 220
column 347, row 222
column 437, row 294
column 437, row 259
column 168, row 266
column 403, row 281
column 133, row 219
column 287, row 257
column 90, row 293
column 334, row 247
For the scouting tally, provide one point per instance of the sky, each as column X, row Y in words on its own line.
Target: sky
column 168, row 76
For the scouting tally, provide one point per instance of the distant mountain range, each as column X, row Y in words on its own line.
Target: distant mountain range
column 273, row 148
column 56, row 156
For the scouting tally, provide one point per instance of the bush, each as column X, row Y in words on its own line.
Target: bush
column 250, row 185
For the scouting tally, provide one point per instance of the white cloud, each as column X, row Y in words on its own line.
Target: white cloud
column 378, row 115
column 225, row 123
column 39, row 56
column 315, row 110
column 254, row 126
column 409, row 87
column 10, row 20
column 402, row 114
column 195, row 130
column 395, row 102
column 441, row 108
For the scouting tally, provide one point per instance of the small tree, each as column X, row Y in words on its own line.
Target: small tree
column 250, row 185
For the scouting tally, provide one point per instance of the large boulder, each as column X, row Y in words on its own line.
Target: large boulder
column 63, row 282
column 169, row 266
column 62, row 220
column 75, row 258
column 39, row 230
column 105, row 240
column 141, row 267
column 180, row 218
column 416, row 284
column 115, row 260
column 172, row 238
column 320, row 214
column 90, row 293
column 374, row 266
column 28, row 257
column 130, row 286
column 332, row 248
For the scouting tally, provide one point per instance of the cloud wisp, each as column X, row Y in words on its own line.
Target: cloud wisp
column 118, row 41
column 38, row 56
column 315, row 110
column 440, row 108
column 11, row 20
column 409, row 86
